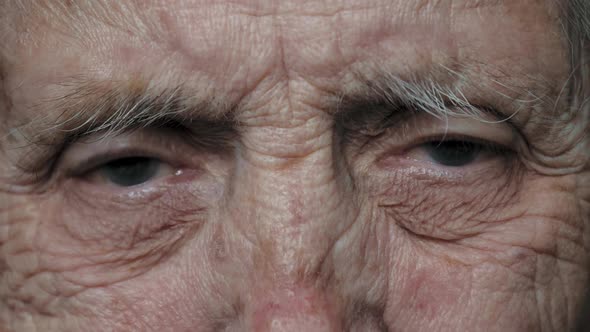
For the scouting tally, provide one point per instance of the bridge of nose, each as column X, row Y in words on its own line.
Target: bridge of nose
column 289, row 194
column 289, row 199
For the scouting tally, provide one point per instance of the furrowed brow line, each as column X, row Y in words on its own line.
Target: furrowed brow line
column 91, row 108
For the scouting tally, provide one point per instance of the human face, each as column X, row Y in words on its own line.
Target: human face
column 346, row 165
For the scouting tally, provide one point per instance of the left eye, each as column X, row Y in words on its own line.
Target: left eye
column 133, row 171
column 454, row 153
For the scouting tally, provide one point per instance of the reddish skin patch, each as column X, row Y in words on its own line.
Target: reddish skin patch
column 429, row 292
column 294, row 306
column 295, row 208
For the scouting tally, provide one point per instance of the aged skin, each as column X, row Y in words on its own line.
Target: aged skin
column 347, row 165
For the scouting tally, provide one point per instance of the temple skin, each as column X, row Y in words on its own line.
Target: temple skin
column 289, row 219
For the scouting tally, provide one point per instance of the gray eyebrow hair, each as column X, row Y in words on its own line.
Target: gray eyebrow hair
column 91, row 108
column 424, row 95
column 442, row 94
column 109, row 109
column 92, row 111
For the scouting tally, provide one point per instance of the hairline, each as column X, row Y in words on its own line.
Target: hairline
column 576, row 26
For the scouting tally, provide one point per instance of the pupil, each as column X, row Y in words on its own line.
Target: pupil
column 129, row 172
column 453, row 153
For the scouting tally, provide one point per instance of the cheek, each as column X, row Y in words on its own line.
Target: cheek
column 486, row 296
column 29, row 281
column 431, row 290
column 490, row 244
column 178, row 294
column 426, row 203
column 80, row 260
column 96, row 238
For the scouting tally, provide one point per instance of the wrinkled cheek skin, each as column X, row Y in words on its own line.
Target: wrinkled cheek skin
column 521, row 271
column 64, row 255
column 295, row 234
column 515, row 265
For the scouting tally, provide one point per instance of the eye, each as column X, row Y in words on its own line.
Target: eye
column 454, row 153
column 130, row 171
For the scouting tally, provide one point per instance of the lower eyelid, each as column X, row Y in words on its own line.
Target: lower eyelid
column 491, row 159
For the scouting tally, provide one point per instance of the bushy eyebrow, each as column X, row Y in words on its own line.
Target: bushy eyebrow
column 95, row 109
column 444, row 92
column 109, row 108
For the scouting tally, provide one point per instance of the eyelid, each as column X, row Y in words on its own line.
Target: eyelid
column 83, row 166
column 449, row 137
column 423, row 128
column 399, row 142
column 84, row 156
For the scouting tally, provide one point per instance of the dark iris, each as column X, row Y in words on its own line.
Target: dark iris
column 453, row 153
column 127, row 172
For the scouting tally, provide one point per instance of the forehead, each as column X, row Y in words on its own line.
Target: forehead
column 238, row 43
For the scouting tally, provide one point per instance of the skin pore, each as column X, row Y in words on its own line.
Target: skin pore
column 343, row 165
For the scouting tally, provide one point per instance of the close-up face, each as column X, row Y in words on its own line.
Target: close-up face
column 285, row 165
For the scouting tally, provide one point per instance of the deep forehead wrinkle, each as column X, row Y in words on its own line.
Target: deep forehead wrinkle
column 145, row 16
column 130, row 8
column 195, row 29
column 187, row 28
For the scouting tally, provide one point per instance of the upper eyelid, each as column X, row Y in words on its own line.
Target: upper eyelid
column 411, row 128
column 382, row 114
column 47, row 144
column 226, row 133
column 449, row 137
column 89, row 164
column 81, row 157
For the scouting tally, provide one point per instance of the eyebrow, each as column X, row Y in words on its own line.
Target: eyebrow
column 91, row 107
column 97, row 110
column 109, row 108
column 444, row 92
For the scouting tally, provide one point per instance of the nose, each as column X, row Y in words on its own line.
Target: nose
column 292, row 201
column 295, row 225
column 294, row 308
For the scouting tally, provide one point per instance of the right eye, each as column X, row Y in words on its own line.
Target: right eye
column 130, row 171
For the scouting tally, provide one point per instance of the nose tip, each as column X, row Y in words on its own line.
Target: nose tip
column 295, row 309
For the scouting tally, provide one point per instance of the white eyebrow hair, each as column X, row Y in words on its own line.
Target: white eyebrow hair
column 116, row 110
column 113, row 107
column 441, row 92
column 426, row 95
column 92, row 107
column 124, row 15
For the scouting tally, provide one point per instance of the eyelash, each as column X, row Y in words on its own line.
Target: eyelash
column 486, row 144
column 88, row 165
